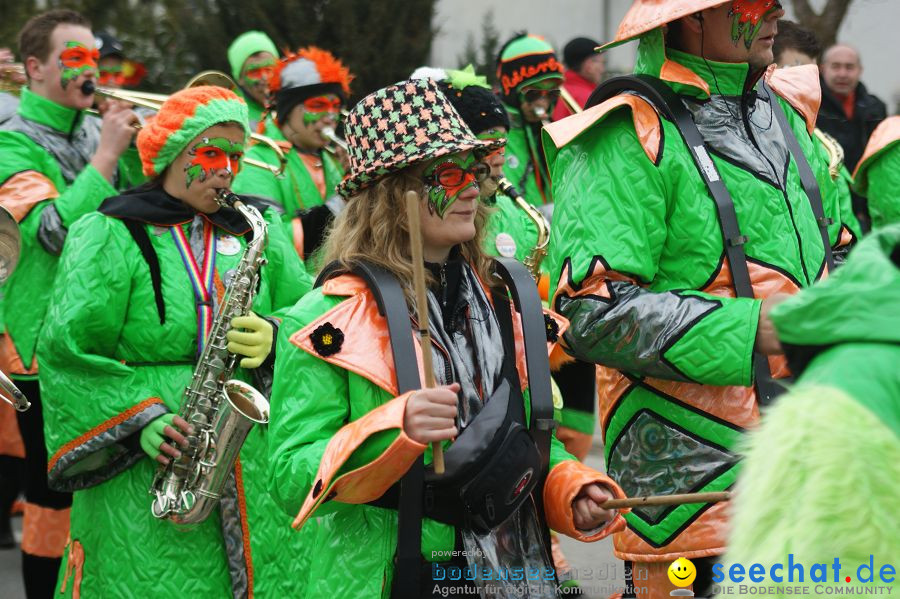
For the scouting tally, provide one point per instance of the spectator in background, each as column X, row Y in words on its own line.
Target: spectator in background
column 795, row 45
column 584, row 71
column 849, row 113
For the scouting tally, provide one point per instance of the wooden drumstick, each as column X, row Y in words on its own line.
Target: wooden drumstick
column 418, row 263
column 614, row 504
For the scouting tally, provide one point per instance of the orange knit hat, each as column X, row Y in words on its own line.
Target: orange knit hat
column 184, row 116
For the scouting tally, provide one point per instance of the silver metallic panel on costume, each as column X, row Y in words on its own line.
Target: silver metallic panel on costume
column 51, row 232
column 72, row 152
column 632, row 331
column 233, row 535
column 720, row 122
column 653, row 457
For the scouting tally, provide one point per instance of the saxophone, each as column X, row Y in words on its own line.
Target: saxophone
column 221, row 411
column 539, row 252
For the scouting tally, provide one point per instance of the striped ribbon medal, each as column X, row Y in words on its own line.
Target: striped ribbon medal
column 202, row 280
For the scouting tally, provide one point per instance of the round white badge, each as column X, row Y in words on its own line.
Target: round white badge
column 228, row 245
column 512, row 161
column 506, row 245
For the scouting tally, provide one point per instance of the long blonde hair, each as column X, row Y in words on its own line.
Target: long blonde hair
column 373, row 227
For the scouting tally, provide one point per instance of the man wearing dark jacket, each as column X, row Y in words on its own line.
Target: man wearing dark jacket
column 849, row 113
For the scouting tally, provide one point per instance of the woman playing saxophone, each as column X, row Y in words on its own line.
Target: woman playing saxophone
column 142, row 282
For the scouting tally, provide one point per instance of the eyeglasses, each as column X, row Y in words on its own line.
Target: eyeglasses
column 533, row 95
column 322, row 104
column 452, row 175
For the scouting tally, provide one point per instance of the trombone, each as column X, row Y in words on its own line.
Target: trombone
column 155, row 101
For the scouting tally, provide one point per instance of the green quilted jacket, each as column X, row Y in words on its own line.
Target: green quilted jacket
column 637, row 256
column 47, row 183
column 109, row 366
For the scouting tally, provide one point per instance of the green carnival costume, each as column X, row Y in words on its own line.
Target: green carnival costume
column 338, row 443
column 306, row 190
column 642, row 276
column 48, row 184
column 833, row 443
column 121, row 344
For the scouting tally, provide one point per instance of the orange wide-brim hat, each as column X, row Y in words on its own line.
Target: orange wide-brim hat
column 647, row 15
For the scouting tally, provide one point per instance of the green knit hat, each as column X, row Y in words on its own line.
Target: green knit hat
column 246, row 45
column 181, row 118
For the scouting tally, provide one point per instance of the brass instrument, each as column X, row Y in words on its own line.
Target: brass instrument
column 539, row 252
column 835, row 152
column 220, row 410
column 155, row 101
column 571, row 103
column 329, row 134
column 10, row 248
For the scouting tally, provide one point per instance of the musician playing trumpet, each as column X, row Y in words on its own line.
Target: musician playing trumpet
column 529, row 76
column 141, row 284
column 309, row 89
column 55, row 166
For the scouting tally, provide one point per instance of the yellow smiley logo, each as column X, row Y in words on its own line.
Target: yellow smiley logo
column 682, row 572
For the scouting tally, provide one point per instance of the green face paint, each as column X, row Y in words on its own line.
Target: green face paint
column 258, row 72
column 447, row 177
column 210, row 155
column 75, row 60
column 747, row 19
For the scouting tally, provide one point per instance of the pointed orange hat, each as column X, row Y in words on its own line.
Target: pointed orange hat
column 647, row 15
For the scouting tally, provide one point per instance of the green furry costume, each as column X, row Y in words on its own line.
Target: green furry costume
column 822, row 473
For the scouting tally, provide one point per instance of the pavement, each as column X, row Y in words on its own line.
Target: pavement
column 600, row 573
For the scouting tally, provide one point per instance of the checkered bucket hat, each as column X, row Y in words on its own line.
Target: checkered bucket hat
column 399, row 126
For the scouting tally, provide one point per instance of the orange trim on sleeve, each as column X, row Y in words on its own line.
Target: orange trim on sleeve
column 563, row 484
column 372, row 480
column 102, row 428
column 646, row 123
column 245, row 524
column 22, row 191
column 800, row 87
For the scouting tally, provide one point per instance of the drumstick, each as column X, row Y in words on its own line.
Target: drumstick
column 418, row 263
column 614, row 504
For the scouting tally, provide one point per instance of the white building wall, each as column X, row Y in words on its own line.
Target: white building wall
column 870, row 25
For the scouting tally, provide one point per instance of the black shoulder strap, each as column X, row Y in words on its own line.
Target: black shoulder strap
column 139, row 232
column 807, row 178
column 670, row 106
column 525, row 297
column 392, row 305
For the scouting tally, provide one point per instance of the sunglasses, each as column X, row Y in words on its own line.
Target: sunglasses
column 322, row 104
column 451, row 175
column 533, row 95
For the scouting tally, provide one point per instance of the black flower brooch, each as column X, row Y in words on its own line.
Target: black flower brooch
column 327, row 339
column 551, row 327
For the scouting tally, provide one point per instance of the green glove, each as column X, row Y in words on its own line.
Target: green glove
column 254, row 341
column 152, row 435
